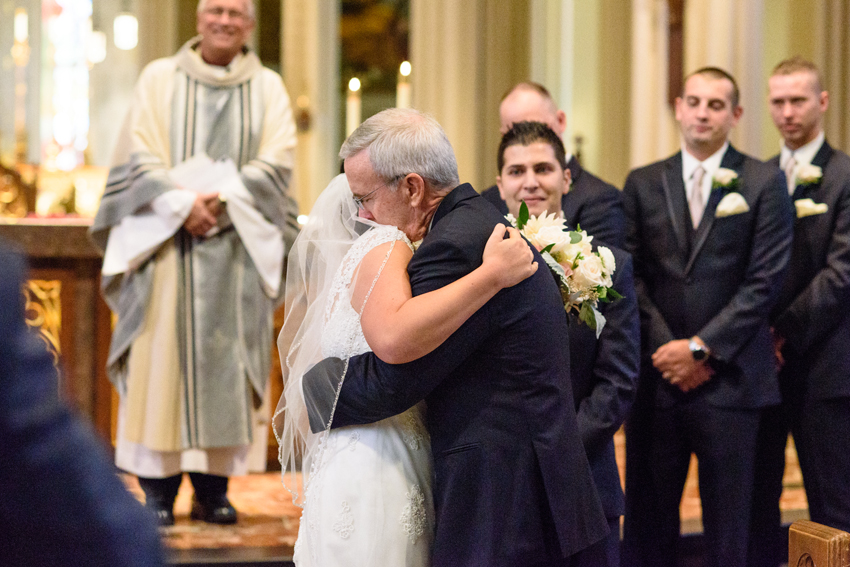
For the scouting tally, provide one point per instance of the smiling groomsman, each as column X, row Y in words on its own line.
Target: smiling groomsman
column 603, row 370
column 710, row 231
column 593, row 204
column 811, row 321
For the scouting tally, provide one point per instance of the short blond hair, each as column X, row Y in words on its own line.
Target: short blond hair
column 797, row 64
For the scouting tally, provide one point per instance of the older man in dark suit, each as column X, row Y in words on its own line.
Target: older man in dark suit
column 811, row 321
column 512, row 483
column 590, row 202
column 61, row 502
column 710, row 231
column 603, row 370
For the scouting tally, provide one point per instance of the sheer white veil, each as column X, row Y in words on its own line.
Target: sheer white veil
column 316, row 255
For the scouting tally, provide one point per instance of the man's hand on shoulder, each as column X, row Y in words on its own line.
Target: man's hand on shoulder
column 677, row 364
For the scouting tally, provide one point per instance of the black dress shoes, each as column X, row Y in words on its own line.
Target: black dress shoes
column 214, row 510
column 163, row 512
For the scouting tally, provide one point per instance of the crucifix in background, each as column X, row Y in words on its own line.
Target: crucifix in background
column 675, row 49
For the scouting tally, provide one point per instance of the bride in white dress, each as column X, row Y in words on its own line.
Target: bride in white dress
column 366, row 490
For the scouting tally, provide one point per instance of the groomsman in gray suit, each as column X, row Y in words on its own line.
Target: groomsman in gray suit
column 811, row 322
column 710, row 230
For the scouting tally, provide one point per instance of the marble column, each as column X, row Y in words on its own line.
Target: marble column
column 465, row 55
column 310, row 69
column 653, row 132
column 729, row 34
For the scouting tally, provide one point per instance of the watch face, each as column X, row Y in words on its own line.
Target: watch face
column 697, row 351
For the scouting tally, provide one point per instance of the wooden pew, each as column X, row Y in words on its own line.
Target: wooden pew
column 814, row 545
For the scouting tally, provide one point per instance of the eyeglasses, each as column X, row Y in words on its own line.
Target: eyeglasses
column 232, row 14
column 358, row 201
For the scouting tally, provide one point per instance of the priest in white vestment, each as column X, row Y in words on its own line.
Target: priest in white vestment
column 195, row 222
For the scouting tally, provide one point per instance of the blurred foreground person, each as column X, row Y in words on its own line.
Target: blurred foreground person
column 61, row 502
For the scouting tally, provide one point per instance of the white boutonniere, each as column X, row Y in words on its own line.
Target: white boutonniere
column 807, row 208
column 731, row 204
column 808, row 174
column 724, row 179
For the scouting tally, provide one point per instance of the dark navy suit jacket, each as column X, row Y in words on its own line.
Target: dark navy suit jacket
column 512, row 483
column 592, row 203
column 719, row 282
column 812, row 313
column 604, row 375
column 61, row 501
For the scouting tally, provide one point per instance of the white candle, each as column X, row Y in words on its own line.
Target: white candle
column 21, row 26
column 352, row 106
column 402, row 91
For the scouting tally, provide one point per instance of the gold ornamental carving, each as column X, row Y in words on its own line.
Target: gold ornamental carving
column 44, row 312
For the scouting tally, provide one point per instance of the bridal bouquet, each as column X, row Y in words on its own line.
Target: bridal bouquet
column 584, row 276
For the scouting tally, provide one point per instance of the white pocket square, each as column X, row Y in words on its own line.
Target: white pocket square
column 807, row 208
column 731, row 204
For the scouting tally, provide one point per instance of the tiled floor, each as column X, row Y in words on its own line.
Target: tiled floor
column 268, row 519
column 267, row 516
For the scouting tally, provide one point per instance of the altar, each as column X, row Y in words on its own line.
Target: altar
column 64, row 305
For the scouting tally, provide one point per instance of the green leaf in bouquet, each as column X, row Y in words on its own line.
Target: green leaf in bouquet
column 587, row 316
column 522, row 220
column 548, row 248
column 553, row 265
column 575, row 237
column 612, row 294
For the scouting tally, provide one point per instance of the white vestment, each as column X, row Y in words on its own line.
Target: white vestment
column 191, row 346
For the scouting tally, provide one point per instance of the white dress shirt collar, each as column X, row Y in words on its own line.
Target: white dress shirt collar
column 710, row 165
column 804, row 154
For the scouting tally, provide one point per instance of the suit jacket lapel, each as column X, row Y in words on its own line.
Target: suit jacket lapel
column 733, row 159
column 674, row 193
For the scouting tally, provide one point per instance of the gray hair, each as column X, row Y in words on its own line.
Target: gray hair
column 402, row 141
column 249, row 8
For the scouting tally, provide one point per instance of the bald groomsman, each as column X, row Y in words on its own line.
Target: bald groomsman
column 590, row 202
column 812, row 321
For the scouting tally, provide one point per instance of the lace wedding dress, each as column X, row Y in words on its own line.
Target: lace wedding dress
column 368, row 501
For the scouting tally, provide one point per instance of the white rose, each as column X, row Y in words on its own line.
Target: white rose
column 589, row 272
column 583, row 247
column 724, row 176
column 607, row 259
column 547, row 235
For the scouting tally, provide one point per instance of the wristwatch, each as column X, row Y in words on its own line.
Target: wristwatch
column 698, row 351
